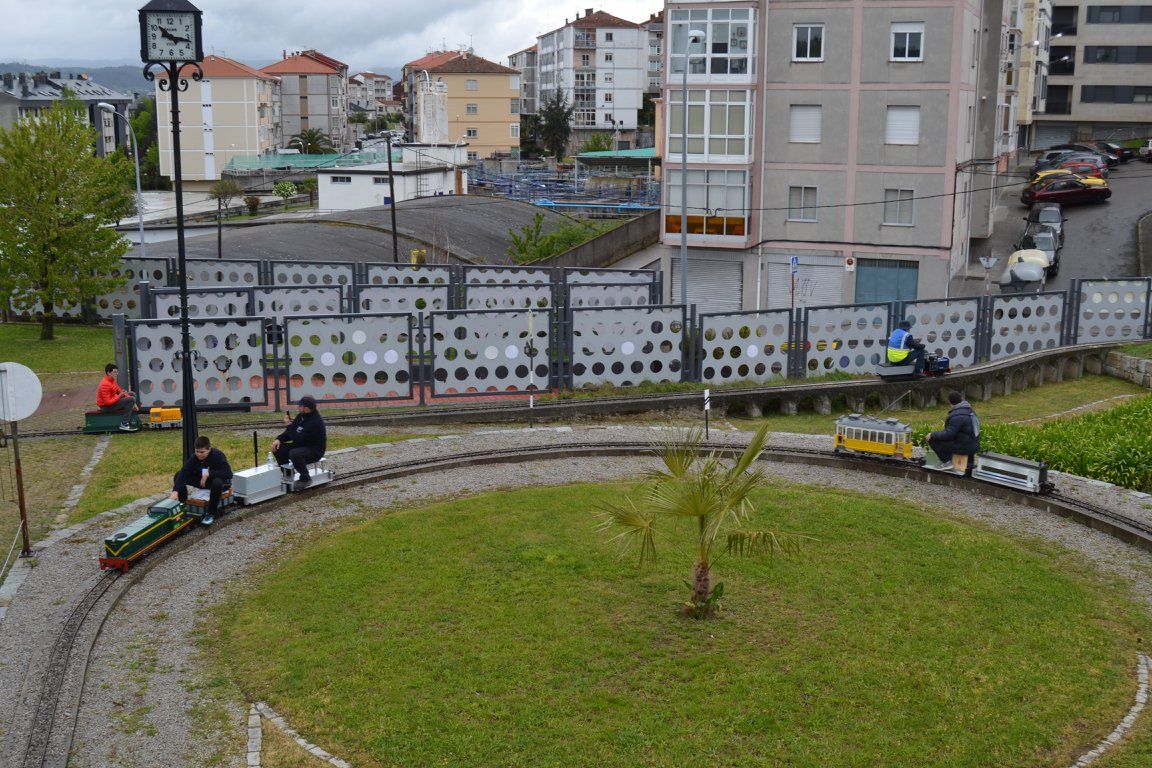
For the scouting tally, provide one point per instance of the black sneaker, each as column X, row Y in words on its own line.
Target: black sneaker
column 302, row 484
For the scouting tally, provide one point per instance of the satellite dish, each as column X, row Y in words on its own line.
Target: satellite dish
column 20, row 392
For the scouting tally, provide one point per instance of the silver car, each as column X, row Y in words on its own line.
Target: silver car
column 1049, row 215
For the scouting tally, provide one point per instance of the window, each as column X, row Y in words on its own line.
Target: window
column 585, row 59
column 608, row 117
column 379, row 179
column 471, row 133
column 903, row 125
column 607, row 37
column 607, row 77
column 514, row 106
column 727, row 45
column 908, row 41
column 717, row 122
column 802, row 204
column 341, row 179
column 804, row 123
column 607, row 58
column 608, row 98
column 473, row 155
column 1116, row 94
column 717, row 202
column 470, row 109
column 898, row 207
column 471, row 85
column 808, row 42
column 514, row 130
column 1118, row 54
column 1119, row 14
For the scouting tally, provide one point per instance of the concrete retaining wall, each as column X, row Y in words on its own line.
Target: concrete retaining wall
column 1134, row 369
column 610, row 247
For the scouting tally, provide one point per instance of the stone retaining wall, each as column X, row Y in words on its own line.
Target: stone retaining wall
column 1134, row 369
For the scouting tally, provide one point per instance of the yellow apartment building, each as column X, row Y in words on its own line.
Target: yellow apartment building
column 233, row 112
column 478, row 103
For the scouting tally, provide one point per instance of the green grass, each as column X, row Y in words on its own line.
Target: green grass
column 76, row 348
column 501, row 630
column 667, row 387
column 1137, row 350
column 1049, row 401
column 142, row 464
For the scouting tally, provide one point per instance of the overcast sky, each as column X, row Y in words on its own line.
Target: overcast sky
column 362, row 33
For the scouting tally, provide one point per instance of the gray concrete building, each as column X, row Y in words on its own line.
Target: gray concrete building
column 1099, row 73
column 313, row 94
column 525, row 61
column 23, row 94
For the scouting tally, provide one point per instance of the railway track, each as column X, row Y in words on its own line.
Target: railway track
column 49, row 736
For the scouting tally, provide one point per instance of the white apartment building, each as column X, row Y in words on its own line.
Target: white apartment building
column 655, row 28
column 234, row 112
column 314, row 94
column 365, row 88
column 600, row 62
column 525, row 61
column 841, row 135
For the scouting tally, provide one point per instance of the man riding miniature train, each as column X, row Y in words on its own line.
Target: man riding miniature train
column 303, row 442
column 902, row 345
column 112, row 398
column 207, row 468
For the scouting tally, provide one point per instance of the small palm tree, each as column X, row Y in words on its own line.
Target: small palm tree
column 716, row 495
column 312, row 141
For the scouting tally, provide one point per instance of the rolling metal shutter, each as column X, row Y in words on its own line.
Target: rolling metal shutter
column 903, row 125
column 804, row 123
column 1051, row 133
column 713, row 285
column 816, row 284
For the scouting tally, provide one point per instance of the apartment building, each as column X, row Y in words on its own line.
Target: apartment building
column 600, row 63
column 1099, row 73
column 365, row 88
column 525, row 62
column 837, row 135
column 313, row 94
column 655, row 28
column 23, row 94
column 233, row 112
column 1033, row 68
column 457, row 96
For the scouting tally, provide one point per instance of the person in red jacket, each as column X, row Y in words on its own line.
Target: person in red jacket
column 110, row 398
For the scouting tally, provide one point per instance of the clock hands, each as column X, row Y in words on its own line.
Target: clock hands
column 173, row 38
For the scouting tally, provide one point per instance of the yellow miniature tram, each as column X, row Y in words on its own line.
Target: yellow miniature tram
column 876, row 437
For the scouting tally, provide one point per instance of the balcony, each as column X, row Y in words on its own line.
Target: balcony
column 584, row 41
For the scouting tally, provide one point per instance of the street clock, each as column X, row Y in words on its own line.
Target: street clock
column 170, row 31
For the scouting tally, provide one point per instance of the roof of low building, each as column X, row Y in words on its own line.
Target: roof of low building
column 644, row 153
column 470, row 64
column 431, row 59
column 602, row 19
column 222, row 66
column 41, row 87
column 306, row 63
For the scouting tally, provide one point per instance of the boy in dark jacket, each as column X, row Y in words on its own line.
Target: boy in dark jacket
column 959, row 433
column 303, row 442
column 208, row 468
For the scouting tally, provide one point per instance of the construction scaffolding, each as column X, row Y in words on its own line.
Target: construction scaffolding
column 616, row 194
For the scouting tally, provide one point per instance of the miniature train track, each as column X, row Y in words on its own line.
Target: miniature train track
column 49, row 728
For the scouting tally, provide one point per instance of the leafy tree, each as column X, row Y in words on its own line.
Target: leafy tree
column 530, row 137
column 285, row 189
column 358, row 118
column 309, row 186
column 646, row 117
column 556, row 122
column 145, row 127
column 253, row 203
column 58, row 199
column 597, row 142
column 312, row 141
column 225, row 190
column 715, row 496
column 532, row 244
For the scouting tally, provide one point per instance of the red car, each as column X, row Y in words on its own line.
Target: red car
column 1066, row 192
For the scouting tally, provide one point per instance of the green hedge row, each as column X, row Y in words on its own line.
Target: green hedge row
column 1114, row 445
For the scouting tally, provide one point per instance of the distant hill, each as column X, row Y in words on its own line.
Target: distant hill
column 126, row 79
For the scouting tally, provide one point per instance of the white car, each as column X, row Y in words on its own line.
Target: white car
column 1145, row 152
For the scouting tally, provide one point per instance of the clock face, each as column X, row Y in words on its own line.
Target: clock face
column 170, row 37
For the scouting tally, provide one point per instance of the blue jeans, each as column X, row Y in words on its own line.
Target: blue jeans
column 915, row 356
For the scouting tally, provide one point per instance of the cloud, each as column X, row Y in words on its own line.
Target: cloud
column 363, row 33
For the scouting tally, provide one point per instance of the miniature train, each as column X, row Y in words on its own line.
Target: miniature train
column 166, row 519
column 892, row 439
column 934, row 366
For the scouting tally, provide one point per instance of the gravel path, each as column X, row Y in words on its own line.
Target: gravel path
column 147, row 700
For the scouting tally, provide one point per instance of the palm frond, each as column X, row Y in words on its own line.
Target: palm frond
column 745, row 543
column 752, row 452
column 680, row 451
column 635, row 527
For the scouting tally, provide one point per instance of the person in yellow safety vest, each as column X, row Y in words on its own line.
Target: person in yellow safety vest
column 902, row 346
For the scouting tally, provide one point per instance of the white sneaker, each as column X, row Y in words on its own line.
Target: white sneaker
column 945, row 467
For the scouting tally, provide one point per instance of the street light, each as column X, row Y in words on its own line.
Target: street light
column 106, row 107
column 170, row 39
column 694, row 36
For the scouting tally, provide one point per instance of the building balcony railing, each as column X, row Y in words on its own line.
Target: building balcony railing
column 1058, row 108
column 585, row 41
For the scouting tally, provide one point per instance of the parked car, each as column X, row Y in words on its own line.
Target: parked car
column 1025, row 268
column 1041, row 237
column 1079, row 157
column 1065, row 192
column 1049, row 215
column 1041, row 177
column 1124, row 153
column 1049, row 155
column 1083, row 168
column 1108, row 156
column 1145, row 152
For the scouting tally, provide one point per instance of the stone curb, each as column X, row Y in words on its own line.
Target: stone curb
column 1143, row 664
column 278, row 721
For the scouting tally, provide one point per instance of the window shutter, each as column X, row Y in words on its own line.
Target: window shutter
column 903, row 125
column 805, row 124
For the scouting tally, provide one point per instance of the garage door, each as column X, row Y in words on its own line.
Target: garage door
column 816, row 284
column 713, row 285
column 1051, row 133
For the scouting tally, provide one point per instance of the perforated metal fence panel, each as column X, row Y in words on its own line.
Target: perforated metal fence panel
column 304, row 274
column 845, row 339
column 497, row 275
column 1111, row 310
column 201, row 303
column 946, row 327
column 228, row 366
column 509, row 296
column 278, row 302
column 407, row 274
column 610, row 295
column 126, row 299
column 626, row 346
column 405, row 298
column 24, row 309
column 350, row 357
column 745, row 346
column 1025, row 323
column 490, row 352
column 232, row 273
column 574, row 276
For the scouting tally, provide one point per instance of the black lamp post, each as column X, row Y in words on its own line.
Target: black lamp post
column 170, row 40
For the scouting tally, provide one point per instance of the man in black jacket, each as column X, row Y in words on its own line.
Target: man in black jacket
column 303, row 442
column 206, row 468
column 959, row 435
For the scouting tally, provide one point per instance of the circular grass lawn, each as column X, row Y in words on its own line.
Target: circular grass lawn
column 503, row 630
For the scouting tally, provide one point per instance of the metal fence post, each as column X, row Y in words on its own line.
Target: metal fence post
column 147, row 309
column 1148, row 308
column 1074, row 318
column 277, row 363
column 120, row 347
column 419, row 376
